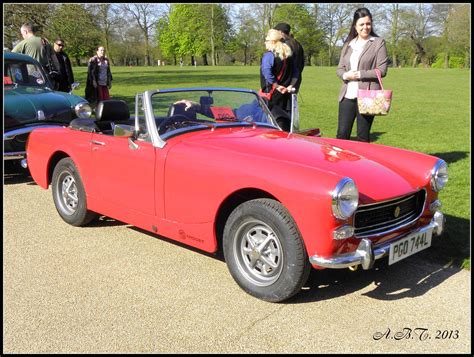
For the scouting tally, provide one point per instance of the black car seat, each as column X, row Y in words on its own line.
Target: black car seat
column 110, row 112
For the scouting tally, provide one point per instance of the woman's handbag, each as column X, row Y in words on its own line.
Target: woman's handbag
column 374, row 102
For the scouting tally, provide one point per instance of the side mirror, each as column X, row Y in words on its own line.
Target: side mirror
column 74, row 86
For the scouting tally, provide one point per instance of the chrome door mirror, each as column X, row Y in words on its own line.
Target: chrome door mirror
column 74, row 86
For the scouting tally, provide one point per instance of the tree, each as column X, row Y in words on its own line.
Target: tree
column 304, row 27
column 246, row 43
column 108, row 19
column 417, row 24
column 146, row 17
column 335, row 20
column 15, row 15
column 80, row 31
column 265, row 16
column 390, row 17
column 458, row 31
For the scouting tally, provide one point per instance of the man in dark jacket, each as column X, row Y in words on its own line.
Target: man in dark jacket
column 66, row 76
column 296, row 48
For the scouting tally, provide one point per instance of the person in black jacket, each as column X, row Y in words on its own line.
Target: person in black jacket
column 296, row 48
column 278, row 76
column 66, row 76
column 99, row 77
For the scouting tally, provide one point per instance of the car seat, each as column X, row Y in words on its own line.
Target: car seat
column 109, row 112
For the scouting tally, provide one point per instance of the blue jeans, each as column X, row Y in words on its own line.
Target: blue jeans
column 348, row 112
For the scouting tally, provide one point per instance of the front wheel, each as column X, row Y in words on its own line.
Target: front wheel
column 69, row 195
column 264, row 251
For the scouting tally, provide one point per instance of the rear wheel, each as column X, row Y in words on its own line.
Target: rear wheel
column 264, row 251
column 69, row 195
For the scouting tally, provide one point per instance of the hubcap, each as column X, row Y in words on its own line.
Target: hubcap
column 68, row 192
column 258, row 253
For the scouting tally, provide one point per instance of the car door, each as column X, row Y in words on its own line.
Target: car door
column 125, row 174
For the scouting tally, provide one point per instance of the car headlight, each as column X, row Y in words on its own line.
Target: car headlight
column 83, row 110
column 345, row 199
column 439, row 175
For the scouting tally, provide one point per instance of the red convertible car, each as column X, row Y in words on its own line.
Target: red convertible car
column 210, row 168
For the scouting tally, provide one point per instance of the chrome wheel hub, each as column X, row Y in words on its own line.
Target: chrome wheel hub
column 69, row 193
column 258, row 253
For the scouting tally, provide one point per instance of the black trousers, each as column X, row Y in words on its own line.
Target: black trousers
column 348, row 112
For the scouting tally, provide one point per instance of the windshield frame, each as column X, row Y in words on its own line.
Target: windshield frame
column 160, row 140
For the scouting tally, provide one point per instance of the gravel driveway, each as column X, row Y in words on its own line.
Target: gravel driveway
column 110, row 287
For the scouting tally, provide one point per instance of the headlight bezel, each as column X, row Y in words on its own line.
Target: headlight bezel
column 345, row 199
column 83, row 110
column 439, row 175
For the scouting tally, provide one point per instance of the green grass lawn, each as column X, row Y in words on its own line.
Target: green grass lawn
column 430, row 113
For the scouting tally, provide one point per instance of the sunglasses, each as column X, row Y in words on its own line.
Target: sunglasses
column 60, row 44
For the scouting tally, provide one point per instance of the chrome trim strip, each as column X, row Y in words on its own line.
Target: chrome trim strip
column 385, row 203
column 365, row 254
column 10, row 135
column 393, row 199
column 14, row 155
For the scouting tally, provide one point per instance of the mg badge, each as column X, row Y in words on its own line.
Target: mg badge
column 41, row 115
column 396, row 213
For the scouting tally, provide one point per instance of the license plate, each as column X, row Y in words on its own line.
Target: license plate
column 409, row 245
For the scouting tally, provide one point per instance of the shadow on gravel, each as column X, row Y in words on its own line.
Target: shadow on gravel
column 410, row 278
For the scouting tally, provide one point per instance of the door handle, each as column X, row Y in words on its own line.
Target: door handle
column 97, row 142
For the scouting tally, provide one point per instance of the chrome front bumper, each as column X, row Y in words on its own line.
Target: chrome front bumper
column 366, row 255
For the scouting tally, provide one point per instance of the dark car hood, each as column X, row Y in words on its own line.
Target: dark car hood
column 26, row 105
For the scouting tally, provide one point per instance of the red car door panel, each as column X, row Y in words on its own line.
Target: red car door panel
column 125, row 178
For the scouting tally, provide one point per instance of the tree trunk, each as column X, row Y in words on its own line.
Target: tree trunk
column 213, row 48
column 204, row 60
column 394, row 59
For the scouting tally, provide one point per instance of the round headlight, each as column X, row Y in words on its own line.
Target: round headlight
column 439, row 175
column 83, row 110
column 345, row 198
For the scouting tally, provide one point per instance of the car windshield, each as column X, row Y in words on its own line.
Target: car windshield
column 179, row 109
column 23, row 74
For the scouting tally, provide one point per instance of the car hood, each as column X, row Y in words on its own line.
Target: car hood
column 374, row 180
column 26, row 105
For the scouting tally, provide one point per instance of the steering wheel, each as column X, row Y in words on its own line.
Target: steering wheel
column 166, row 123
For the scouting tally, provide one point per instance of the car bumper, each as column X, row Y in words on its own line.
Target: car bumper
column 366, row 254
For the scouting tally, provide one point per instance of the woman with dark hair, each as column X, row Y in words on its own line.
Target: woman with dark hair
column 362, row 53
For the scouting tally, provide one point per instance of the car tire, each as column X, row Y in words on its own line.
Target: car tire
column 264, row 251
column 69, row 195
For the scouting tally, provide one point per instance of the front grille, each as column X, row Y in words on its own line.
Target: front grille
column 382, row 217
